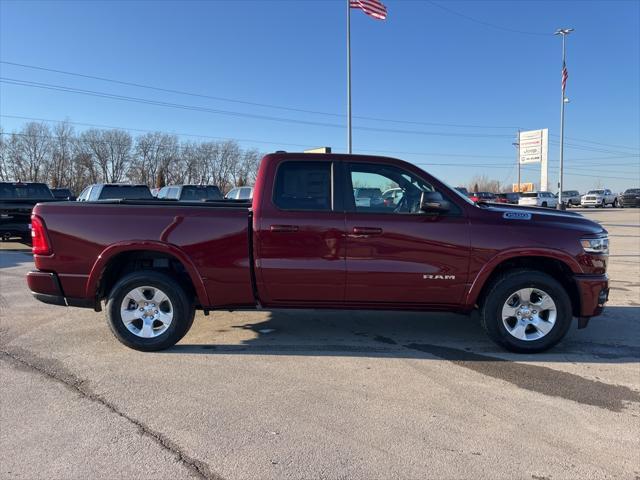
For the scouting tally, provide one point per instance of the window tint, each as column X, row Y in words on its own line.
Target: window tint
column 386, row 189
column 25, row 190
column 128, row 192
column 199, row 193
column 303, row 186
column 61, row 193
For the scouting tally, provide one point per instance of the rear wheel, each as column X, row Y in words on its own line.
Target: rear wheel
column 148, row 311
column 526, row 311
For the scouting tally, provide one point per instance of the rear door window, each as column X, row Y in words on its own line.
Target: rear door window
column 303, row 185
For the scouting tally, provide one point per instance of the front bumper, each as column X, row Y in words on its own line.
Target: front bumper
column 46, row 287
column 591, row 203
column 594, row 293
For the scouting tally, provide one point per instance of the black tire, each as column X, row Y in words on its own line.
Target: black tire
column 182, row 309
column 498, row 294
column 544, row 204
column 615, row 203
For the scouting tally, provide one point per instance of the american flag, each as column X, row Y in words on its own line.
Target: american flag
column 373, row 8
column 565, row 75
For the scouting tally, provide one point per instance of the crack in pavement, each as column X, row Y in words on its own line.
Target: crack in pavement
column 199, row 468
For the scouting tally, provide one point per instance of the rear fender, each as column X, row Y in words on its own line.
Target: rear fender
column 112, row 250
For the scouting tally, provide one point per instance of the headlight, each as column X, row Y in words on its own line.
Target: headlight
column 595, row 245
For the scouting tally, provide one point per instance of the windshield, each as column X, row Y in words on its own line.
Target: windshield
column 632, row 190
column 594, row 192
column 17, row 191
column 529, row 194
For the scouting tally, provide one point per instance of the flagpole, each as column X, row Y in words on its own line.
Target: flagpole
column 563, row 32
column 349, row 140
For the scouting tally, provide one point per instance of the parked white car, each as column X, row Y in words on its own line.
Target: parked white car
column 240, row 193
column 599, row 198
column 538, row 199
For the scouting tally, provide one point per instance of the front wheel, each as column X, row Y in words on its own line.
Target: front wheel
column 544, row 204
column 149, row 311
column 526, row 311
column 615, row 203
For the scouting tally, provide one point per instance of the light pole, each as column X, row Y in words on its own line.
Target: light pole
column 563, row 32
column 517, row 145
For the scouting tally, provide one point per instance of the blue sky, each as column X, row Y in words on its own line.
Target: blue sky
column 468, row 73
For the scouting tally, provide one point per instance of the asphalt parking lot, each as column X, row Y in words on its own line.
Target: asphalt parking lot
column 315, row 394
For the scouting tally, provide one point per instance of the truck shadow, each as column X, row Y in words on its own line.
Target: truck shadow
column 613, row 337
column 459, row 341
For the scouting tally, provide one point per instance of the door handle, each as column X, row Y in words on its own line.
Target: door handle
column 367, row 231
column 284, row 228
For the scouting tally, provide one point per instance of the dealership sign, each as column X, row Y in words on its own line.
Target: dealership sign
column 534, row 148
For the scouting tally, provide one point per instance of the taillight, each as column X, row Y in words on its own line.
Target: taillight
column 39, row 239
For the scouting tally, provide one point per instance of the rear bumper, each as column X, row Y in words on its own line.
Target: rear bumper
column 15, row 229
column 46, row 287
column 594, row 293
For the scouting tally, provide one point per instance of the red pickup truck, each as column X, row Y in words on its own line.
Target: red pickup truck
column 308, row 241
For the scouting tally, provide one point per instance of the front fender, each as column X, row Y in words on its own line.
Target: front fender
column 485, row 273
column 145, row 245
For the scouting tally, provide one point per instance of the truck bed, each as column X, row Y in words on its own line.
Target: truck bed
column 212, row 236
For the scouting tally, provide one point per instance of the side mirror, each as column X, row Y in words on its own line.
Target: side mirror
column 432, row 202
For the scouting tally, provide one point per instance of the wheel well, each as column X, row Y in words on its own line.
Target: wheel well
column 559, row 270
column 133, row 261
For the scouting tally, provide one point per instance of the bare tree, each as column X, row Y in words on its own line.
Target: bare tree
column 482, row 183
column 29, row 152
column 111, row 150
column 62, row 150
column 246, row 168
column 154, row 156
column 4, row 157
column 63, row 158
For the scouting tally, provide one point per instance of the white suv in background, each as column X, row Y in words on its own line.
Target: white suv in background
column 599, row 198
column 538, row 199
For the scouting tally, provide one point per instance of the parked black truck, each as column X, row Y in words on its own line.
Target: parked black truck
column 16, row 202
